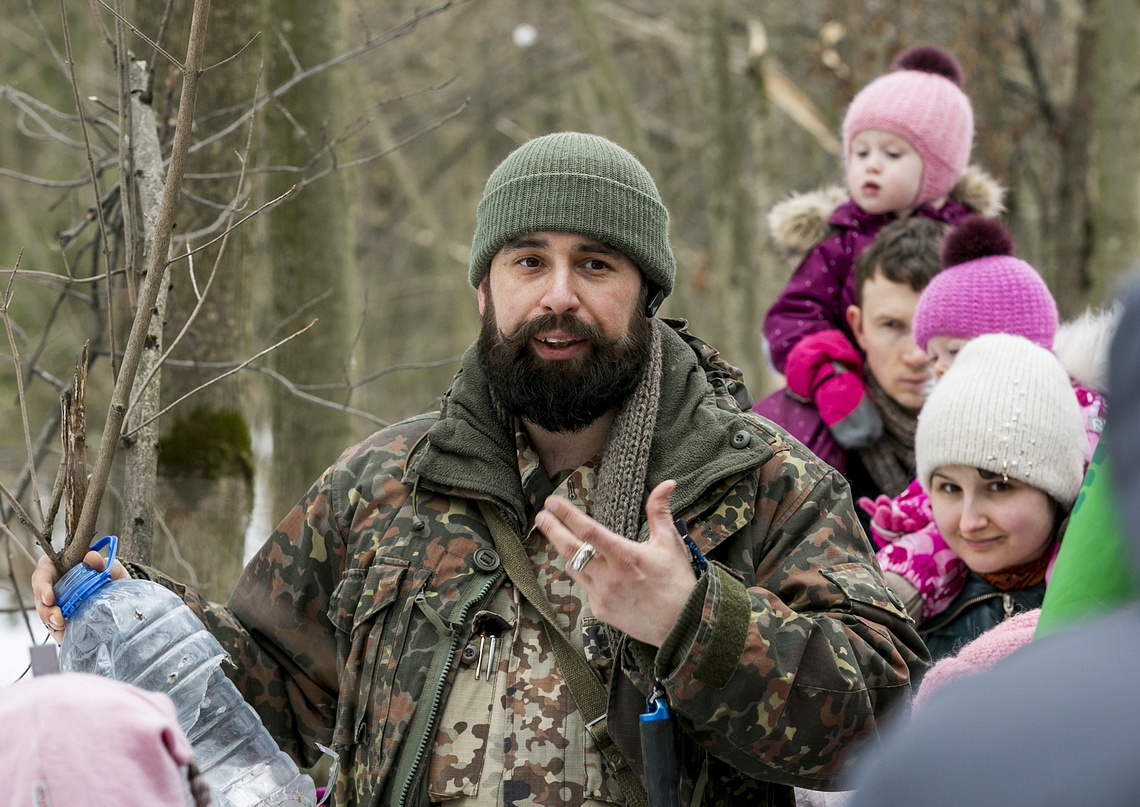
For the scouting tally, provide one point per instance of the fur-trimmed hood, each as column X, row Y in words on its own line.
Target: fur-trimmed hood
column 1081, row 345
column 800, row 222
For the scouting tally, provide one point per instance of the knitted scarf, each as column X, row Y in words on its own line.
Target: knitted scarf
column 625, row 459
column 624, row 464
column 890, row 461
column 1015, row 578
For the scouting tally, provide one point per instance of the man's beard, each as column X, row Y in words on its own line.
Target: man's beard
column 562, row 395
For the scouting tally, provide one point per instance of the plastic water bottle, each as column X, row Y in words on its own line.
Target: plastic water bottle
column 141, row 633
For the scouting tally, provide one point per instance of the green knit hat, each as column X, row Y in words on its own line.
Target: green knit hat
column 575, row 183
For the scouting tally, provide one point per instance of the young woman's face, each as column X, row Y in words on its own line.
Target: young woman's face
column 884, row 173
column 990, row 523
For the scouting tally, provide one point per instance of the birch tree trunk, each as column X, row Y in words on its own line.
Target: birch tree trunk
column 141, row 449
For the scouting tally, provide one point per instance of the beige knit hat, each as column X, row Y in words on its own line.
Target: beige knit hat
column 1005, row 406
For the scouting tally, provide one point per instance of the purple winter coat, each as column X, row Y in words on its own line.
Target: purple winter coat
column 823, row 286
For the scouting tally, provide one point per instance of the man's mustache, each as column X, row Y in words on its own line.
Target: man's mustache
column 568, row 324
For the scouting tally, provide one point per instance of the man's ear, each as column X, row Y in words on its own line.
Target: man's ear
column 481, row 294
column 855, row 321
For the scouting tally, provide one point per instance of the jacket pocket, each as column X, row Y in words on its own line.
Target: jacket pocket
column 360, row 610
column 863, row 586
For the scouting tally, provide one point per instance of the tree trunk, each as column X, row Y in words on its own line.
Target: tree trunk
column 1072, row 278
column 1117, row 154
column 141, row 449
column 204, row 494
column 731, row 299
column 310, row 262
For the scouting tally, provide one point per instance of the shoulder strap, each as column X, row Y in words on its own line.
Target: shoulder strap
column 588, row 693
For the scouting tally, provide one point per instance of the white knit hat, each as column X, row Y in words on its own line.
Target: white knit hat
column 1005, row 406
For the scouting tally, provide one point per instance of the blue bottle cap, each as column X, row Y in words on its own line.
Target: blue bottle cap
column 658, row 710
column 83, row 581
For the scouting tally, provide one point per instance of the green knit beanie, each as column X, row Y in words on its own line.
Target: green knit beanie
column 575, row 183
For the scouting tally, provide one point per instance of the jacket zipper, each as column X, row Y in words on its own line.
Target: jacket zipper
column 969, row 604
column 436, row 682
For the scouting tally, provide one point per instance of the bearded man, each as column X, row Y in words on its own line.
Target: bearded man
column 473, row 606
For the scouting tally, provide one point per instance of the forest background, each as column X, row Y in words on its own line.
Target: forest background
column 315, row 284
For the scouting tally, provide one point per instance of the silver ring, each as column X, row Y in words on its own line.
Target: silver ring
column 583, row 556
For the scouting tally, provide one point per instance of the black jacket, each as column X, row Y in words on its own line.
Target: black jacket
column 978, row 608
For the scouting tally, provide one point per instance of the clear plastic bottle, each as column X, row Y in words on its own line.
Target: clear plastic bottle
column 141, row 633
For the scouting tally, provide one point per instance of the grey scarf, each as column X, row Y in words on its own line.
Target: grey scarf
column 890, row 461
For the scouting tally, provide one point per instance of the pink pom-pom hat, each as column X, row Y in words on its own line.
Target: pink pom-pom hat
column 921, row 101
column 989, row 291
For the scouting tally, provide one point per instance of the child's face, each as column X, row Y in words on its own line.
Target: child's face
column 990, row 523
column 882, row 327
column 883, row 172
column 942, row 350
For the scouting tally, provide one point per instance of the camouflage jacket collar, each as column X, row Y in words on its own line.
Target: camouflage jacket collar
column 702, row 437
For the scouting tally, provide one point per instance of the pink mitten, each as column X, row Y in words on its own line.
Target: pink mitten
column 924, row 559
column 888, row 521
column 825, row 368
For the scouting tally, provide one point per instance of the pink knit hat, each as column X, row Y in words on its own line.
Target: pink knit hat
column 984, row 289
column 85, row 741
column 922, row 102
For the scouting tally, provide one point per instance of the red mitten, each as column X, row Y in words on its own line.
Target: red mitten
column 825, row 368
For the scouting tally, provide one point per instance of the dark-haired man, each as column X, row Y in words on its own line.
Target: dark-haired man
column 397, row 611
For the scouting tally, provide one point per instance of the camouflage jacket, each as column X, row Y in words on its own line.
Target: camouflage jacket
column 787, row 655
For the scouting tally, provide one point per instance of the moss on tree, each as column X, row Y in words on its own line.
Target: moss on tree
column 208, row 444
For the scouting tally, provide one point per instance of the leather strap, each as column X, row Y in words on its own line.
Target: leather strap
column 589, row 695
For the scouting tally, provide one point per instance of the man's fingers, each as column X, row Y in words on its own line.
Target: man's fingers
column 578, row 528
column 657, row 511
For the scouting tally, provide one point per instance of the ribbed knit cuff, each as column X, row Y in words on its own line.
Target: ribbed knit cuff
column 717, row 656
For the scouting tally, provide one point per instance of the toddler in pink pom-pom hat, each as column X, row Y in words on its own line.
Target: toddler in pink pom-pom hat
column 906, row 142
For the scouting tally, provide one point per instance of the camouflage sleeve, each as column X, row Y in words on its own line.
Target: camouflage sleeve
column 276, row 625
column 791, row 649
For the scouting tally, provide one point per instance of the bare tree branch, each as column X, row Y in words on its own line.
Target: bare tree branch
column 157, row 48
column 226, row 374
column 103, row 232
column 22, row 514
column 393, row 33
column 1028, row 49
column 164, row 225
column 4, row 305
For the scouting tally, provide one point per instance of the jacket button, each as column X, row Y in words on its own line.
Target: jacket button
column 487, row 560
column 741, row 439
column 469, row 654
